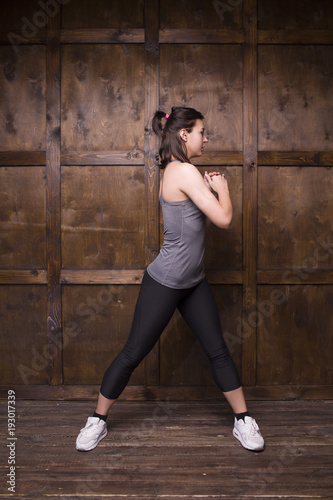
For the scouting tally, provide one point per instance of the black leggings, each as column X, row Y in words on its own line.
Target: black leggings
column 154, row 308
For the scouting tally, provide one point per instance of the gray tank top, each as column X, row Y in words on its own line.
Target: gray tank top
column 180, row 263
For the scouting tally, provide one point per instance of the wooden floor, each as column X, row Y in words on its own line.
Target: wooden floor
column 170, row 451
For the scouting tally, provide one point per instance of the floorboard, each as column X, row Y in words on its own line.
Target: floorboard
column 170, row 451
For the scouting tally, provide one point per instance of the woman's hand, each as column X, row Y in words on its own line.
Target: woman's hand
column 216, row 182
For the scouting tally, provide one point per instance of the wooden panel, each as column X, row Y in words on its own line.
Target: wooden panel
column 224, row 247
column 295, row 338
column 200, row 36
column 208, row 78
column 115, row 14
column 20, row 158
column 295, row 217
column 295, row 14
column 102, row 104
column 315, row 158
column 182, row 360
column 102, row 217
column 22, row 217
column 22, row 98
column 134, row 157
column 199, row 14
column 22, row 21
column 97, row 321
column 23, row 342
column 295, row 110
column 103, row 36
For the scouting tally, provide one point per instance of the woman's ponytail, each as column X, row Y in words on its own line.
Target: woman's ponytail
column 157, row 123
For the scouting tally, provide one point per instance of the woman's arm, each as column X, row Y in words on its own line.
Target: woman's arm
column 219, row 211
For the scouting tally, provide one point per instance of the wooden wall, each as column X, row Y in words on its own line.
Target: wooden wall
column 79, row 213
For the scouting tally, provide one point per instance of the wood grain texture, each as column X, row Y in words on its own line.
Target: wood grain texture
column 103, row 36
column 24, row 342
column 175, row 451
column 22, row 217
column 293, row 15
column 22, row 98
column 118, row 14
column 295, row 337
column 53, row 200
column 295, row 110
column 102, row 104
column 294, row 218
column 195, row 14
column 102, row 217
column 250, row 179
column 208, row 78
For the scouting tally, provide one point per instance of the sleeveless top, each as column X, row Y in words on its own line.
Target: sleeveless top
column 180, row 262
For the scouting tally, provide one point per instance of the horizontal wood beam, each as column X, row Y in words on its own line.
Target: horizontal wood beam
column 103, row 35
column 306, row 37
column 23, row 276
column 22, row 158
column 297, row 158
column 220, row 158
column 99, row 277
column 133, row 157
column 295, row 277
column 200, row 36
column 174, row 393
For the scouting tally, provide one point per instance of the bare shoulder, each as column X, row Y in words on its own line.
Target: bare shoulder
column 190, row 173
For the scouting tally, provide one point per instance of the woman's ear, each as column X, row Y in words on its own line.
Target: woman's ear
column 183, row 134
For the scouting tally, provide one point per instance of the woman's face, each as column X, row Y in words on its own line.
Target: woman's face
column 195, row 141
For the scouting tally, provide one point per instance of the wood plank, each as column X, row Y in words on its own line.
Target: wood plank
column 134, row 157
column 168, row 35
column 295, row 158
column 101, row 276
column 295, row 37
column 53, row 189
column 102, row 35
column 23, row 276
column 22, row 158
column 294, row 276
column 152, row 175
column 250, row 179
column 234, row 158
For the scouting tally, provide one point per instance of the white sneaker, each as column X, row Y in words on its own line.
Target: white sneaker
column 91, row 434
column 248, row 433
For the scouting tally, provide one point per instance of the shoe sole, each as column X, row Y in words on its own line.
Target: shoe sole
column 94, row 445
column 240, row 439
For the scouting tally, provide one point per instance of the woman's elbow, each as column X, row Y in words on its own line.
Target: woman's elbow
column 224, row 223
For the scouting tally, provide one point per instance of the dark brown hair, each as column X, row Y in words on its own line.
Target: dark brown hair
column 168, row 132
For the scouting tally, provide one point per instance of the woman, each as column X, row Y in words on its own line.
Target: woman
column 175, row 279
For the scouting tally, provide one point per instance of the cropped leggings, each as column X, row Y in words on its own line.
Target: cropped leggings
column 154, row 308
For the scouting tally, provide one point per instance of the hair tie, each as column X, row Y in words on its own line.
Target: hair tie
column 166, row 116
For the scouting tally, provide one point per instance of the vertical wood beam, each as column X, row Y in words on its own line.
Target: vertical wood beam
column 53, row 229
column 152, row 234
column 250, row 190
